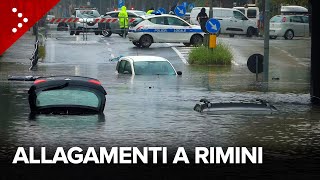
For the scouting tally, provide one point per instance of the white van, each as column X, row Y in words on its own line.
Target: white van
column 252, row 12
column 232, row 21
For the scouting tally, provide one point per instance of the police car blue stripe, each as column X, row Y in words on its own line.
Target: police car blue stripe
column 169, row 30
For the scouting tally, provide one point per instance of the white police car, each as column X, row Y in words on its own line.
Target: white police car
column 164, row 28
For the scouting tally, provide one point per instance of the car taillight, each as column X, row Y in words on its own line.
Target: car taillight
column 284, row 19
column 38, row 81
column 139, row 28
column 94, row 82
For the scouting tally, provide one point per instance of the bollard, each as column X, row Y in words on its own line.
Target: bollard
column 212, row 41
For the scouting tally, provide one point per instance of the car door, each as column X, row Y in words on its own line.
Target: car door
column 158, row 29
column 238, row 23
column 297, row 25
column 114, row 26
column 179, row 30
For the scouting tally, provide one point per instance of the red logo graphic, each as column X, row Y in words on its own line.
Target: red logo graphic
column 18, row 16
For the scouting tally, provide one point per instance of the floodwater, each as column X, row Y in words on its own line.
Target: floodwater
column 158, row 111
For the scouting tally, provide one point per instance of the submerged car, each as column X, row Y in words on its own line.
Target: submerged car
column 145, row 65
column 67, row 95
column 242, row 107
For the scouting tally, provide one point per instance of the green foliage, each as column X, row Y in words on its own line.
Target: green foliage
column 221, row 55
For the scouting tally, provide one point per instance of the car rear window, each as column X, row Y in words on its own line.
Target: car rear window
column 65, row 97
column 252, row 13
column 153, row 68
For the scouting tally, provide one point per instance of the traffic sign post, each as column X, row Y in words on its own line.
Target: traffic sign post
column 162, row 10
column 185, row 4
column 255, row 64
column 213, row 41
column 213, row 26
column 191, row 6
column 180, row 10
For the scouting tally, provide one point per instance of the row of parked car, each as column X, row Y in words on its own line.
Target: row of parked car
column 148, row 29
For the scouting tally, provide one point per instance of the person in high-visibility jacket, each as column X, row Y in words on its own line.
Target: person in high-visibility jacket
column 123, row 19
column 150, row 11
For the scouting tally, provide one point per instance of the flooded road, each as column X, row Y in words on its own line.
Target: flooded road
column 158, row 110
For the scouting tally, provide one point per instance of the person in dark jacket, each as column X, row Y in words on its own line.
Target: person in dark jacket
column 202, row 18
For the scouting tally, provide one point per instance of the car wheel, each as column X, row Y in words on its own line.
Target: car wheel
column 273, row 37
column 106, row 33
column 71, row 32
column 146, row 41
column 77, row 32
column 97, row 32
column 136, row 43
column 250, row 32
column 121, row 34
column 289, row 35
column 196, row 40
column 187, row 44
column 231, row 35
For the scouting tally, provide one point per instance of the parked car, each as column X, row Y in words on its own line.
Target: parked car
column 252, row 12
column 232, row 21
column 289, row 26
column 49, row 17
column 145, row 65
column 62, row 26
column 86, row 23
column 164, row 28
column 66, row 95
column 114, row 27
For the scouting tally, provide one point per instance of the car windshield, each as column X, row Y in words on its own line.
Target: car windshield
column 153, row 68
column 276, row 19
column 67, row 97
column 88, row 14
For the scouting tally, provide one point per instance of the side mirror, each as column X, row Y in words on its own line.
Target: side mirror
column 179, row 73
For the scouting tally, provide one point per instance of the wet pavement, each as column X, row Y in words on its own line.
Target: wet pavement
column 158, row 110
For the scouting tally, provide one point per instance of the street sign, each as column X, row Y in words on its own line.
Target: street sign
column 255, row 63
column 213, row 25
column 120, row 3
column 162, row 11
column 180, row 10
column 191, row 6
column 185, row 4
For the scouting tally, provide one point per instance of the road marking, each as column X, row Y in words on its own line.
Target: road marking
column 109, row 49
column 178, row 53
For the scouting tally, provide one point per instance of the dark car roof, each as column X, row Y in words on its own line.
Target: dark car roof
column 71, row 82
column 44, row 82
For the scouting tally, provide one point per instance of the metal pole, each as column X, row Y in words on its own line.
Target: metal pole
column 211, row 11
column 266, row 41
